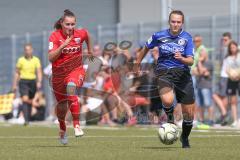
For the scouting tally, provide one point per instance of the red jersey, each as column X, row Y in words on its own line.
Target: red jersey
column 71, row 56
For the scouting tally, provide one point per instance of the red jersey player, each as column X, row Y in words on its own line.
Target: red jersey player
column 65, row 53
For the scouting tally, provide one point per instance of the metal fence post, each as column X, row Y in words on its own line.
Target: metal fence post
column 44, row 48
column 46, row 88
column 99, row 34
column 118, row 32
column 213, row 31
column 234, row 16
column 238, row 29
column 14, row 50
column 140, row 32
column 28, row 37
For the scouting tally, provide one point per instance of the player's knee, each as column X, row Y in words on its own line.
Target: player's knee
column 167, row 99
column 71, row 88
column 168, row 102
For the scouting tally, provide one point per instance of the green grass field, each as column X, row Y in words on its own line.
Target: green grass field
column 138, row 143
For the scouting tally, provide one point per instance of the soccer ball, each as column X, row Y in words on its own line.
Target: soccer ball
column 168, row 133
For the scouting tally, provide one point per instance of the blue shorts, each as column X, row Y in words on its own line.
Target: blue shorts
column 204, row 98
column 221, row 87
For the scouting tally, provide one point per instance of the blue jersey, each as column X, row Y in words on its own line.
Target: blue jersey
column 168, row 45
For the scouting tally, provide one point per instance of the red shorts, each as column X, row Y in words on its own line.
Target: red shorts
column 60, row 84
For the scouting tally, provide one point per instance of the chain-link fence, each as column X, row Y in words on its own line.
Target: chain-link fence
column 210, row 28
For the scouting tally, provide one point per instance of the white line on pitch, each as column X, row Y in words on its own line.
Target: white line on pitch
column 136, row 136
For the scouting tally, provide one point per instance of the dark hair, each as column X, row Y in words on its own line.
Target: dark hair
column 229, row 47
column 178, row 12
column 67, row 13
column 227, row 34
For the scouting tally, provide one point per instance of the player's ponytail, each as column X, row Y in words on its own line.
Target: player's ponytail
column 57, row 24
column 67, row 13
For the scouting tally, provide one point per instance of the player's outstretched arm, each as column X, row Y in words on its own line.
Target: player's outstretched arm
column 139, row 59
column 142, row 54
column 89, row 46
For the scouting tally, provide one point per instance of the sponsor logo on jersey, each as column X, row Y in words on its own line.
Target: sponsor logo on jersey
column 70, row 50
column 172, row 49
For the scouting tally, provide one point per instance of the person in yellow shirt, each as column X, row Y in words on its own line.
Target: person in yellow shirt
column 28, row 76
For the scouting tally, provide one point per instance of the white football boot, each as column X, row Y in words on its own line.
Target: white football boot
column 78, row 131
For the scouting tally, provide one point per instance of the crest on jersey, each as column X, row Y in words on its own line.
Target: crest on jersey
column 77, row 40
column 181, row 42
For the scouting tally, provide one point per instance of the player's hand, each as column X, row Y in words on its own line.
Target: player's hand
column 67, row 41
column 178, row 56
column 91, row 56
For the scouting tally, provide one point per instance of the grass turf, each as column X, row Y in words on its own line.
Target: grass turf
column 39, row 142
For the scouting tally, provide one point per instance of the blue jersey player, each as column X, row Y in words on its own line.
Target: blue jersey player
column 172, row 71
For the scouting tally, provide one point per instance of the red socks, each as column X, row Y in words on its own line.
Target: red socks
column 62, row 111
column 75, row 111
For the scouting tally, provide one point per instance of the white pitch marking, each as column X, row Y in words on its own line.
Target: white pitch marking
column 136, row 136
